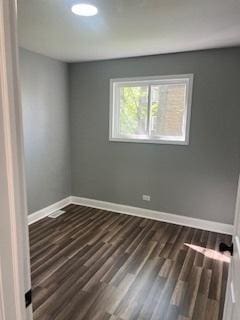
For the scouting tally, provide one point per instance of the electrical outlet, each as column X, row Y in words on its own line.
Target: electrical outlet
column 146, row 197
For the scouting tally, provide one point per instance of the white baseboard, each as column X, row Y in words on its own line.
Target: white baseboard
column 40, row 214
column 134, row 211
column 155, row 215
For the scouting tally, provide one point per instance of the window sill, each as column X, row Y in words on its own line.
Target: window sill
column 154, row 141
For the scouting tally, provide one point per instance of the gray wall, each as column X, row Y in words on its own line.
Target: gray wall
column 198, row 180
column 46, row 129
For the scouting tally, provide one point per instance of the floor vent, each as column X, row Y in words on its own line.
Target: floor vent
column 56, row 214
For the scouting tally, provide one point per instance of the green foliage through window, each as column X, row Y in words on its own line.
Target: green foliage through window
column 133, row 110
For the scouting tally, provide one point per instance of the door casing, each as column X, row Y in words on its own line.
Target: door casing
column 14, row 244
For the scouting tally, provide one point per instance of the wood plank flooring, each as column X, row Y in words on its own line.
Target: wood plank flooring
column 96, row 265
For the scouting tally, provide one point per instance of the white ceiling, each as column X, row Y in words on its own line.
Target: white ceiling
column 125, row 28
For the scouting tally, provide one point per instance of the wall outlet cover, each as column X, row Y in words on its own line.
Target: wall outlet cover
column 146, row 197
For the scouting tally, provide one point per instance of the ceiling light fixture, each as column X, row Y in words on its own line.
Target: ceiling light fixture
column 84, row 9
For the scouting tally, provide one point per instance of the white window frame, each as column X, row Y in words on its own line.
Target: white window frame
column 154, row 80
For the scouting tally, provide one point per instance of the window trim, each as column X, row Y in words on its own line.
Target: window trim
column 151, row 80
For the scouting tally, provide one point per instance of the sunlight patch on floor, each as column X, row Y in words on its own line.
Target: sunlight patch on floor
column 209, row 253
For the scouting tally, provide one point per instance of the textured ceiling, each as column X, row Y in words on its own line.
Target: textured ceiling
column 125, row 28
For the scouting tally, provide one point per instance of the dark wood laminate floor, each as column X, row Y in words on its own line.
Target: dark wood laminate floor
column 96, row 265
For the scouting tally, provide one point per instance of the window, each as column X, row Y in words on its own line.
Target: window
column 152, row 109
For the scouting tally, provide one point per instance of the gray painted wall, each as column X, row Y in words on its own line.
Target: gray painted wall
column 198, row 180
column 46, row 129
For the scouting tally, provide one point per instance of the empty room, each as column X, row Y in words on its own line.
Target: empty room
column 120, row 158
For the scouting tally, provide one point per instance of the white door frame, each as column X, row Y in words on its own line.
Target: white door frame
column 14, row 198
column 230, row 295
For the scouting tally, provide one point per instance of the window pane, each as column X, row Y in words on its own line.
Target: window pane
column 133, row 110
column 167, row 110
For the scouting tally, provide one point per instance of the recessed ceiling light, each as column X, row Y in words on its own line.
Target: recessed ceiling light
column 84, row 9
